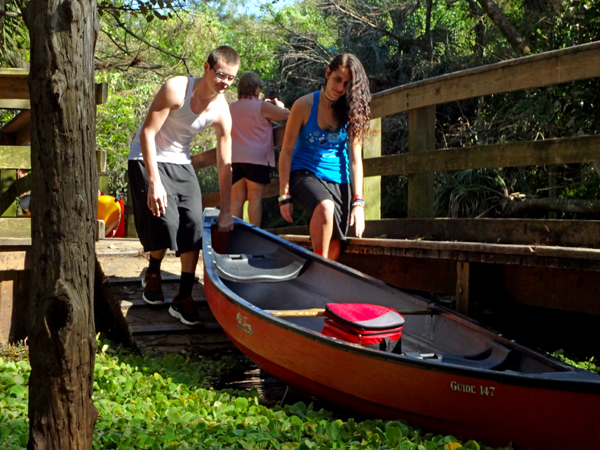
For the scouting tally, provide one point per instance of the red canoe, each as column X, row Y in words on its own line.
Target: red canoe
column 450, row 374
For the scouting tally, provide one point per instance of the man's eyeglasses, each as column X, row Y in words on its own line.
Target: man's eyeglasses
column 224, row 77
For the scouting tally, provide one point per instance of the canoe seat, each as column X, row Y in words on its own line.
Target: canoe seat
column 280, row 265
column 490, row 358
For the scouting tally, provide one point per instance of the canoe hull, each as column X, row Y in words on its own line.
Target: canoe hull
column 378, row 386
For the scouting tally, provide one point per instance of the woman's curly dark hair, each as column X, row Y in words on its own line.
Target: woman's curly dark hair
column 354, row 106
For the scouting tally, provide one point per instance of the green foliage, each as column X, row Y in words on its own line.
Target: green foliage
column 14, row 37
column 587, row 364
column 147, row 402
column 468, row 193
column 116, row 124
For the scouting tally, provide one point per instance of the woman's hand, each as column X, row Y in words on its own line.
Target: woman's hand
column 357, row 218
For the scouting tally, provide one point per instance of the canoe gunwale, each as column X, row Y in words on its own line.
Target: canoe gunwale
column 534, row 380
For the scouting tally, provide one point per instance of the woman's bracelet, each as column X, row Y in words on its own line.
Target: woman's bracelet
column 358, row 197
column 358, row 202
column 285, row 201
column 284, row 197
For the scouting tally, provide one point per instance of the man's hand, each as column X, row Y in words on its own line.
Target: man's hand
column 157, row 198
column 225, row 221
column 286, row 211
column 357, row 218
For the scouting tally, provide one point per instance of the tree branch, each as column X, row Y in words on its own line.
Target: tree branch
column 499, row 19
column 141, row 39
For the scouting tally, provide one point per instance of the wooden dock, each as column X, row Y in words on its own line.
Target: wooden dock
column 121, row 264
column 123, row 315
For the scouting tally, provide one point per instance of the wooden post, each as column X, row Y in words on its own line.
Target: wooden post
column 463, row 284
column 421, row 137
column 130, row 230
column 372, row 185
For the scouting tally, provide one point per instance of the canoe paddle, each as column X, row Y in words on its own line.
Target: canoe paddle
column 320, row 312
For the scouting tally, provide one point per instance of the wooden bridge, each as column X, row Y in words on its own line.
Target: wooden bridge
column 547, row 264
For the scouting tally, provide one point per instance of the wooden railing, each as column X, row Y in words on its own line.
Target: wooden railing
column 15, row 153
column 420, row 100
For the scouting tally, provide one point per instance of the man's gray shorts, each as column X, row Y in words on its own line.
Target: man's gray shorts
column 180, row 228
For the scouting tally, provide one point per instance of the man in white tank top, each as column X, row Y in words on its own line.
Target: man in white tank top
column 166, row 196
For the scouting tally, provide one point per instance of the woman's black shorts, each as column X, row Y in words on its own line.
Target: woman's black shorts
column 253, row 172
column 180, row 228
column 309, row 190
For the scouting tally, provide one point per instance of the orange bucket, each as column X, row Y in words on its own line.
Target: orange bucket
column 109, row 210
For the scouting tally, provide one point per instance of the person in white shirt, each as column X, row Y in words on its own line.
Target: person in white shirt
column 166, row 195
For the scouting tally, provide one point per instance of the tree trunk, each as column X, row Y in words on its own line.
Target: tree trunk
column 63, row 210
column 513, row 37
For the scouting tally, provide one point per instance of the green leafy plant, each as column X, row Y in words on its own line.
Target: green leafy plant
column 163, row 402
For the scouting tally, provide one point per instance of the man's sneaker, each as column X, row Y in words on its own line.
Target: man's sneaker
column 185, row 310
column 152, row 284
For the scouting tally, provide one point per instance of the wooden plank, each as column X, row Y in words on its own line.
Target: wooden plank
column 560, row 66
column 18, row 130
column 372, row 185
column 20, row 306
column 463, row 284
column 475, row 247
column 205, row 159
column 14, row 104
column 421, row 138
column 101, row 93
column 14, row 72
column 159, row 316
column 103, row 182
column 101, row 160
column 516, row 154
column 6, row 306
column 193, row 343
column 14, row 86
column 15, row 157
column 13, row 242
column 568, row 290
column 176, row 327
column 562, row 233
column 15, row 227
column 571, row 253
column 14, row 260
column 406, row 272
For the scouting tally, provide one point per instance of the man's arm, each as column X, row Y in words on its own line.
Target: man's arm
column 222, row 126
column 169, row 97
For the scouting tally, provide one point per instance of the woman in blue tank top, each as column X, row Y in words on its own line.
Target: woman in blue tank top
column 320, row 165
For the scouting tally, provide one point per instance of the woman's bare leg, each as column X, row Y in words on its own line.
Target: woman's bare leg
column 238, row 198
column 256, row 192
column 321, row 227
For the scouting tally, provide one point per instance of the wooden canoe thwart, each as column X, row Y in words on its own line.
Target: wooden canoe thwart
column 320, row 312
column 446, row 372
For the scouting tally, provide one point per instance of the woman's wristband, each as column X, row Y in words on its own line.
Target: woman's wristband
column 284, row 197
column 358, row 197
column 358, row 202
column 285, row 201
